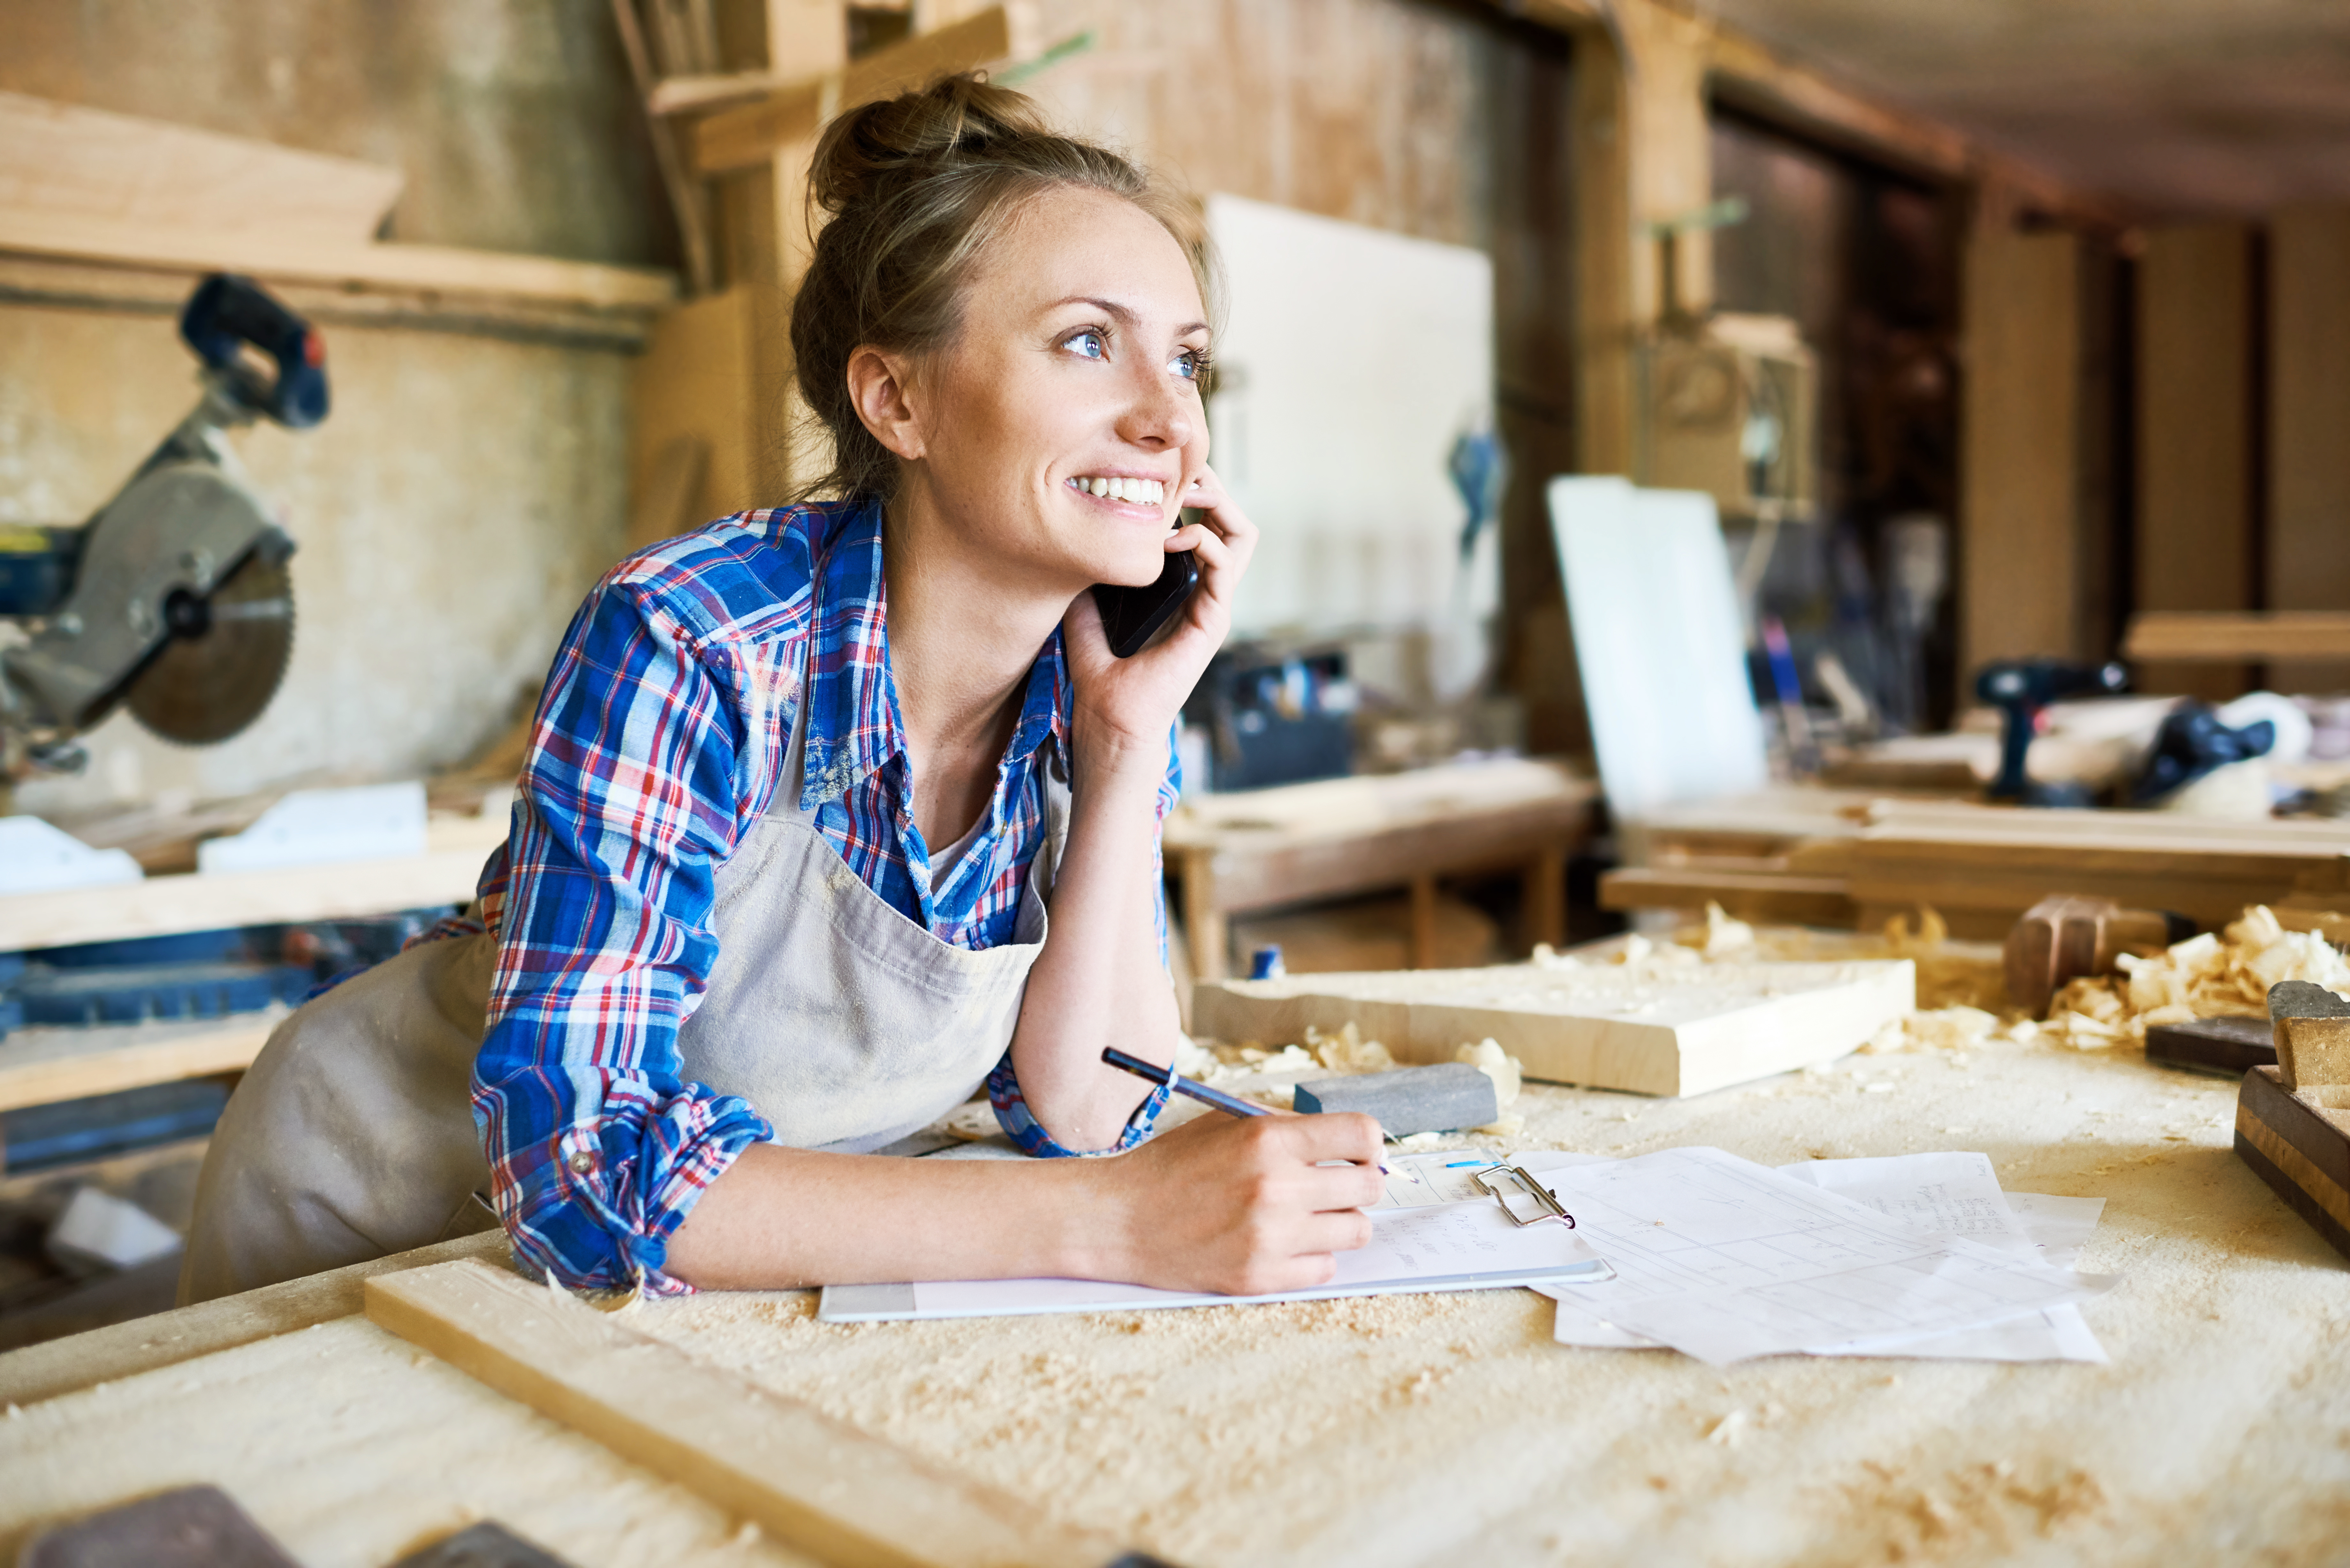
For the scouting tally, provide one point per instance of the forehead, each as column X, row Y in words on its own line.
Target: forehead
column 1076, row 244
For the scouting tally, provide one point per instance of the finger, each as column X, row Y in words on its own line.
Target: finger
column 1343, row 1186
column 1335, row 1134
column 1342, row 1231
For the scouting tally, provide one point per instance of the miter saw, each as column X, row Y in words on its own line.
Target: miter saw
column 174, row 601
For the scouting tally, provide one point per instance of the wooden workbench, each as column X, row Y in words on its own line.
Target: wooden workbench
column 1841, row 858
column 1438, row 1429
column 1261, row 849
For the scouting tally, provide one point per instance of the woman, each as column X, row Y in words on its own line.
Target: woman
column 834, row 812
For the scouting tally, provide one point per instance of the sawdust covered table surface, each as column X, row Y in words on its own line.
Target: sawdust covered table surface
column 1451, row 1429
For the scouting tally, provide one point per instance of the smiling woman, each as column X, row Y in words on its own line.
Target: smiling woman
column 838, row 811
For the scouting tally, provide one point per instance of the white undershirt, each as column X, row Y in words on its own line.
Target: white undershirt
column 943, row 861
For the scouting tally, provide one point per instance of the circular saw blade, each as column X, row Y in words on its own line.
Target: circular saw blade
column 221, row 665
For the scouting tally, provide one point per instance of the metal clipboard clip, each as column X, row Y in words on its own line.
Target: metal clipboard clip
column 1512, row 1177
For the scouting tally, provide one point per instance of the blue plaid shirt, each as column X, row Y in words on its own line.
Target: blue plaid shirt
column 660, row 740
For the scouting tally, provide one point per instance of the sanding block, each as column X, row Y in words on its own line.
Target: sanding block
column 2292, row 1120
column 2226, row 1046
column 1441, row 1098
column 189, row 1527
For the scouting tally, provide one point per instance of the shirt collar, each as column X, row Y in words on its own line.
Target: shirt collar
column 854, row 725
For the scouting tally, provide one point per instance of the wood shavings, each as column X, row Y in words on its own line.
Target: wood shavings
column 1348, row 1050
column 2213, row 975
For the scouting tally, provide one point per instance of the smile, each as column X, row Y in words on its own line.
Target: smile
column 1138, row 492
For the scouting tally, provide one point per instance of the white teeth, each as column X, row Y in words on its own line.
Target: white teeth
column 1135, row 491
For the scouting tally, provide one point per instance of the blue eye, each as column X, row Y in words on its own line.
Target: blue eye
column 1100, row 345
column 1187, row 365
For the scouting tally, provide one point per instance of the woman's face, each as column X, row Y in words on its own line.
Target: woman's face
column 1060, row 428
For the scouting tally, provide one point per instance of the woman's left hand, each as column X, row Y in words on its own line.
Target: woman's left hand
column 1124, row 702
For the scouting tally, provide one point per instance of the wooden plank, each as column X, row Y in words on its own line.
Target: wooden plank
column 2308, row 410
column 2196, row 533
column 1647, row 1028
column 2298, row 1149
column 1772, row 898
column 40, row 1067
column 689, row 201
column 750, row 134
column 2020, row 581
column 160, row 906
column 28, row 231
column 815, row 1483
column 64, row 158
column 2274, row 635
column 126, row 1349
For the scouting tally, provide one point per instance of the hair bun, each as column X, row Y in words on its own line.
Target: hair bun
column 878, row 145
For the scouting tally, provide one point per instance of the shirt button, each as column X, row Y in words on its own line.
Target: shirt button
column 583, row 1162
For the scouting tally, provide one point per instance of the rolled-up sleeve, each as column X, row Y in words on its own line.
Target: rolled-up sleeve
column 634, row 792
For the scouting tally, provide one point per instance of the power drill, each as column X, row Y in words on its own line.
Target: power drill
column 2021, row 689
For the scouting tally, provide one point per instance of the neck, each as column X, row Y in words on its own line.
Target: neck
column 964, row 631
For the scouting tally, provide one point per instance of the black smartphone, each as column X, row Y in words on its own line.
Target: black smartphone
column 1132, row 617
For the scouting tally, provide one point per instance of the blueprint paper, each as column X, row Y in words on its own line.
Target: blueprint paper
column 1725, row 1259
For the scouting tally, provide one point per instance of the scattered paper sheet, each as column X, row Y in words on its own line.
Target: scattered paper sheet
column 1461, row 1246
column 1725, row 1259
column 1960, row 1194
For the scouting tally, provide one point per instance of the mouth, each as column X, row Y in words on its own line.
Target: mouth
column 1131, row 492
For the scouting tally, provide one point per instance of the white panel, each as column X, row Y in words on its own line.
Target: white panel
column 1657, row 639
column 1353, row 356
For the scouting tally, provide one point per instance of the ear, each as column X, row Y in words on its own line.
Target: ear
column 880, row 388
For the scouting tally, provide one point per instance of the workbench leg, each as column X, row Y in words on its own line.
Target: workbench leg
column 1423, row 922
column 1545, row 897
column 1203, row 922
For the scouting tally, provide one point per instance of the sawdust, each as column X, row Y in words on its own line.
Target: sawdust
column 2207, row 976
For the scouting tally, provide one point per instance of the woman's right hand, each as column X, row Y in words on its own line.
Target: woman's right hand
column 1245, row 1207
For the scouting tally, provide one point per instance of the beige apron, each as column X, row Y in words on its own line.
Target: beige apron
column 843, row 1022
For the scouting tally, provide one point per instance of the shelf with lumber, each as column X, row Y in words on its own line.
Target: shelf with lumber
column 40, row 1067
column 445, row 874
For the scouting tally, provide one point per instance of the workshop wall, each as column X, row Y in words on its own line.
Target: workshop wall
column 468, row 487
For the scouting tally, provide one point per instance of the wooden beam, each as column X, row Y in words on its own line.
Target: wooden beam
column 2309, row 425
column 2020, row 569
column 1605, row 325
column 688, row 201
column 82, row 162
column 750, row 134
column 2195, row 528
column 166, row 1339
column 819, row 1485
column 26, row 231
column 2216, row 637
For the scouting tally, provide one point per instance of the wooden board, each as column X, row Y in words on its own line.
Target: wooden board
column 144, row 1344
column 32, row 231
column 64, row 159
column 2308, row 410
column 446, row 874
column 817, row 1483
column 2020, row 572
column 1652, row 1029
column 2195, row 532
column 2216, row 637
column 749, row 134
column 2300, row 1144
column 40, row 1066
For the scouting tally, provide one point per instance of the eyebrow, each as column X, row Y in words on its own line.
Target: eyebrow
column 1124, row 314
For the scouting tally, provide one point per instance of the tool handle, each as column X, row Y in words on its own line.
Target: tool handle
column 228, row 312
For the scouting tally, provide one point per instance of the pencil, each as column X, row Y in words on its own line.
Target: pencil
column 1232, row 1105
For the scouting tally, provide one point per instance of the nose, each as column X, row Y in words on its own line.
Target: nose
column 1162, row 414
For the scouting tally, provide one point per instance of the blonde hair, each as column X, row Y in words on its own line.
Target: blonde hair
column 912, row 190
